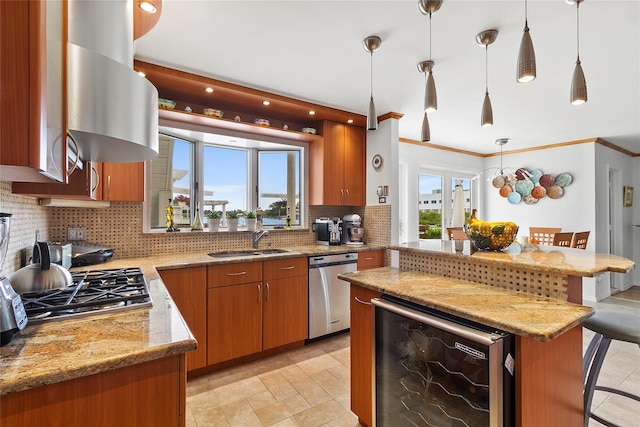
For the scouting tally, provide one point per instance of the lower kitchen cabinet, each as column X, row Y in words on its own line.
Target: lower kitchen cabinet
column 188, row 288
column 146, row 394
column 371, row 259
column 362, row 346
column 285, row 311
column 234, row 321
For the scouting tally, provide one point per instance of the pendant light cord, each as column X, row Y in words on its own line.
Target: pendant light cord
column 371, row 70
column 578, row 30
column 526, row 24
column 429, row 36
column 486, row 68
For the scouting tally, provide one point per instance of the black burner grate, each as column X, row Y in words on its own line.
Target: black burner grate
column 92, row 292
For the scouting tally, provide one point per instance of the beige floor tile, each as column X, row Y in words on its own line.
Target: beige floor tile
column 331, row 384
column 343, row 356
column 285, row 423
column 210, row 416
column 340, row 371
column 271, row 364
column 318, row 363
column 320, row 414
column 278, row 385
column 239, row 390
column 261, row 400
column 239, row 375
column 206, row 398
column 347, row 420
column 240, row 413
column 344, row 400
column 282, row 410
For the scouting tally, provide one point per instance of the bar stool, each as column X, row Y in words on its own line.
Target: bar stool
column 607, row 325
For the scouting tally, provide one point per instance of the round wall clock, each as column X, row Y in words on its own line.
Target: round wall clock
column 377, row 161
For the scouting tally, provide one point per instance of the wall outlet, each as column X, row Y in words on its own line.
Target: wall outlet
column 76, row 233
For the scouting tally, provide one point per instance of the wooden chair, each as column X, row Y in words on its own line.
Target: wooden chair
column 563, row 239
column 580, row 240
column 542, row 235
column 456, row 233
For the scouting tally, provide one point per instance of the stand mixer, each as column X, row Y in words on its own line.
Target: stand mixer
column 13, row 317
column 353, row 231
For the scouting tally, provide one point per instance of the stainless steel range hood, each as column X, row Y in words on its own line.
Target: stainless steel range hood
column 112, row 112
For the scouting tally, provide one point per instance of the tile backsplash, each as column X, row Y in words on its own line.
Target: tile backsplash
column 120, row 227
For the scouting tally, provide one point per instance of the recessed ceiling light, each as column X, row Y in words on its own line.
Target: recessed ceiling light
column 265, row 103
column 209, row 89
column 312, row 112
column 350, row 121
column 147, row 6
column 142, row 73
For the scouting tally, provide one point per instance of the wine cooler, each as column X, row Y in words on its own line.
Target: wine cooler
column 433, row 369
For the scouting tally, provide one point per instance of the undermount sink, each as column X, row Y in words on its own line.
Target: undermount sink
column 232, row 254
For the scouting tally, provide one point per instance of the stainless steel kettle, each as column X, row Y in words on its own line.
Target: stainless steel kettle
column 42, row 275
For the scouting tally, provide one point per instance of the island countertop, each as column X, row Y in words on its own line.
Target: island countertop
column 532, row 316
column 55, row 351
column 553, row 259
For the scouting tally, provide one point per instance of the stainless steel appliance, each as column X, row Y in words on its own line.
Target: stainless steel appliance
column 435, row 369
column 84, row 253
column 352, row 230
column 41, row 275
column 328, row 231
column 61, row 254
column 12, row 315
column 328, row 295
column 92, row 292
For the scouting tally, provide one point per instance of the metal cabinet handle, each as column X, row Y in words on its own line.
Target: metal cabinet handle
column 109, row 187
column 369, row 258
column 291, row 267
column 266, row 297
column 259, row 294
column 93, row 170
column 75, row 163
column 341, row 195
column 348, row 197
column 237, row 274
column 361, row 301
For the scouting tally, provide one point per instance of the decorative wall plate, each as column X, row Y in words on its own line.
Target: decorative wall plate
column 377, row 161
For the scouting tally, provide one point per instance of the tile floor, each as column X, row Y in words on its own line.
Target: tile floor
column 310, row 386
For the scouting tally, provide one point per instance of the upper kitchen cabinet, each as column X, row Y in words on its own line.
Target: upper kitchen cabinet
column 123, row 182
column 32, row 81
column 337, row 165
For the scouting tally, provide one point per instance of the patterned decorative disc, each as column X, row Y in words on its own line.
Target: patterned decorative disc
column 547, row 180
column 555, row 192
column 514, row 198
column 522, row 173
column 538, row 192
column 505, row 190
column 498, row 182
column 563, row 179
column 530, row 200
column 524, row 187
column 535, row 175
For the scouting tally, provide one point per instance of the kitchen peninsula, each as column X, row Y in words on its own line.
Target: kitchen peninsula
column 526, row 292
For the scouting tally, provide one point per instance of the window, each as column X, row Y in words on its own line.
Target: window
column 223, row 174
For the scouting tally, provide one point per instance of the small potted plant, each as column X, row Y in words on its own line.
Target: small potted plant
column 232, row 220
column 213, row 220
column 251, row 220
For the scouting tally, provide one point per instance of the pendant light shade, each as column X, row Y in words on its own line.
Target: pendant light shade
column 526, row 68
column 425, row 134
column 485, row 38
column 371, row 43
column 578, row 82
column 431, row 97
column 487, row 112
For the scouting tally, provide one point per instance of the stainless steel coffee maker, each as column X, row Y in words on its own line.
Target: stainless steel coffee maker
column 329, row 231
column 352, row 230
column 13, row 317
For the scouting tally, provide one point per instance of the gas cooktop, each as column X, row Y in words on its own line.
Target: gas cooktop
column 92, row 292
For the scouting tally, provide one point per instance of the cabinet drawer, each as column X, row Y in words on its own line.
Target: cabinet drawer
column 233, row 274
column 287, row 267
column 371, row 259
column 361, row 300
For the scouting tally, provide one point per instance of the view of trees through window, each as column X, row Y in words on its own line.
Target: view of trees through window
column 430, row 204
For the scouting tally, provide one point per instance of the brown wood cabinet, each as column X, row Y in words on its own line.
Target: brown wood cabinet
column 146, row 394
column 337, row 166
column 362, row 347
column 123, row 182
column 33, row 102
column 371, row 259
column 255, row 306
column 188, row 288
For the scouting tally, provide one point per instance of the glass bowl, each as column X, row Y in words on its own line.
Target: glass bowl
column 495, row 237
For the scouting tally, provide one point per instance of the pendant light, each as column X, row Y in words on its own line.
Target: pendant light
column 485, row 38
column 427, row 7
column 426, row 67
column 578, row 83
column 372, row 43
column 526, row 69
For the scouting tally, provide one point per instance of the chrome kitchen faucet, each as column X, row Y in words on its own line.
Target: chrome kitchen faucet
column 257, row 236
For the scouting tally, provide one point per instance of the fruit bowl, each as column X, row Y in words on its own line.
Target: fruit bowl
column 494, row 237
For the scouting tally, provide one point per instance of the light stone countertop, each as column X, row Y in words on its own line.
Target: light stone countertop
column 554, row 259
column 532, row 316
column 56, row 351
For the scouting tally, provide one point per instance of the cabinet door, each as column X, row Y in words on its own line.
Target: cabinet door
column 285, row 311
column 84, row 184
column 188, row 288
column 234, row 321
column 354, row 171
column 334, row 191
column 123, row 182
column 362, row 347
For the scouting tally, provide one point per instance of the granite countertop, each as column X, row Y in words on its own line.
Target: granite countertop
column 55, row 351
column 527, row 315
column 555, row 259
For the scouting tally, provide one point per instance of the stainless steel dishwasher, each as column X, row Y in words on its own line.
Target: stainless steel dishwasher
column 328, row 295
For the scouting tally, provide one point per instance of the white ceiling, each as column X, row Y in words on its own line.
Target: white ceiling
column 312, row 50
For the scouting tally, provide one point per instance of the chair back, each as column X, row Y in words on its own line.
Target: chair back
column 580, row 240
column 562, row 239
column 459, row 231
column 542, row 235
